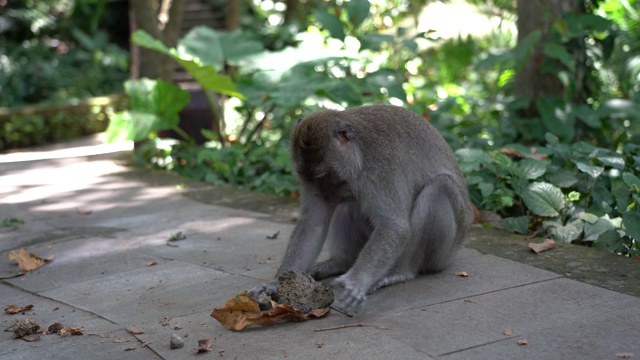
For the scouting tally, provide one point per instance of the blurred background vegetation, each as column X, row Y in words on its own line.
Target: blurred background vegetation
column 539, row 99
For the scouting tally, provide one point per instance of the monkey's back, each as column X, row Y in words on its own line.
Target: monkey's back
column 415, row 138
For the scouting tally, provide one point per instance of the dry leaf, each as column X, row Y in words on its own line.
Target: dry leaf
column 319, row 344
column 522, row 342
column 71, row 330
column 204, row 346
column 129, row 348
column 625, row 355
column 120, row 341
column 53, row 328
column 461, row 273
column 507, row 332
column 28, row 262
column 135, row 331
column 31, row 337
column 83, row 211
column 547, row 244
column 242, row 311
column 24, row 327
column 14, row 309
column 152, row 263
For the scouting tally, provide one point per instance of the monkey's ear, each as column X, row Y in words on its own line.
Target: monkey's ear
column 343, row 131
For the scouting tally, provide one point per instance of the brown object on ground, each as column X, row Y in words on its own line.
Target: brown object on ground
column 299, row 290
column 242, row 311
column 24, row 327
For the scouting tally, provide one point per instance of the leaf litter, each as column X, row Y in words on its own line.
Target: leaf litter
column 28, row 261
column 242, row 311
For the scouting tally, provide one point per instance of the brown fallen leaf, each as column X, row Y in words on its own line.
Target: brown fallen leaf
column 28, row 262
column 135, row 331
column 242, row 311
column 71, row 330
column 319, row 344
column 507, row 332
column 461, row 274
column 54, row 328
column 120, row 341
column 204, row 346
column 14, row 309
column 625, row 355
column 31, row 337
column 84, row 211
column 152, row 263
column 522, row 342
column 130, row 348
column 547, row 244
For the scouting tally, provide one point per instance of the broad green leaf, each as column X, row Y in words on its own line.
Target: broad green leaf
column 557, row 116
column 621, row 193
column 592, row 170
column 202, row 42
column 631, row 180
column 565, row 233
column 589, row 218
column 563, row 178
column 518, row 224
column 631, row 222
column 358, row 11
column 609, row 158
column 559, row 52
column 206, row 75
column 144, row 39
column 543, row 199
column 238, row 44
column 330, row 22
column 531, row 169
column 155, row 105
column 592, row 231
column 486, row 188
column 589, row 116
column 608, row 239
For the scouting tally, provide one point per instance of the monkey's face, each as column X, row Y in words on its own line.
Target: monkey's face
column 311, row 153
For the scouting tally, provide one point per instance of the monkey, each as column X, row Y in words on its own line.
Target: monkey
column 382, row 187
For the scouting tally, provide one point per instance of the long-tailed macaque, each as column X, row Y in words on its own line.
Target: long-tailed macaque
column 381, row 184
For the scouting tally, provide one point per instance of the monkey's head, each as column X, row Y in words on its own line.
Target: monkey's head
column 322, row 149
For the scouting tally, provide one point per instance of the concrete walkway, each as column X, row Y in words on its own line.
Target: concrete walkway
column 104, row 225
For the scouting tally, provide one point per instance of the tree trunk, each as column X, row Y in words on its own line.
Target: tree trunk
column 539, row 15
column 162, row 19
column 232, row 16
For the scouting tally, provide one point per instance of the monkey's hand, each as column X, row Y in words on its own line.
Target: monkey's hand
column 269, row 290
column 352, row 297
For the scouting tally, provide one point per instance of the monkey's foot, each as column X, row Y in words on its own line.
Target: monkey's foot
column 352, row 298
column 258, row 293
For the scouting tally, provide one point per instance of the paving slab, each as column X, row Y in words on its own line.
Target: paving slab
column 107, row 225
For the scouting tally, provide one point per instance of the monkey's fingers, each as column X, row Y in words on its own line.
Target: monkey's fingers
column 268, row 288
column 351, row 299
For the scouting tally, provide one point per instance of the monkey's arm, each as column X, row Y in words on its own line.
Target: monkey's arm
column 379, row 255
column 306, row 241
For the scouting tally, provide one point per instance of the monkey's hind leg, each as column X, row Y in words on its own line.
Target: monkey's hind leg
column 434, row 234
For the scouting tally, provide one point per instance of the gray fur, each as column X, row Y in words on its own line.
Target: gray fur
column 381, row 184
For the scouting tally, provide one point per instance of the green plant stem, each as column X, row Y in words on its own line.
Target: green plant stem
column 183, row 134
column 217, row 117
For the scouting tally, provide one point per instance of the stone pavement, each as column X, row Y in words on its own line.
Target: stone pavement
column 104, row 223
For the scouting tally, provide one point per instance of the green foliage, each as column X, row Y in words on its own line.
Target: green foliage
column 154, row 107
column 564, row 165
column 45, row 58
column 576, row 193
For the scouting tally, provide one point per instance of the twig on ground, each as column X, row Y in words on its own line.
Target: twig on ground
column 350, row 326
